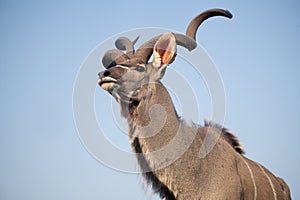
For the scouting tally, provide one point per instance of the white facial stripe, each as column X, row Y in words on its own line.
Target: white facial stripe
column 123, row 67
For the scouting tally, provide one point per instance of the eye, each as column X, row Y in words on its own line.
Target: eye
column 140, row 68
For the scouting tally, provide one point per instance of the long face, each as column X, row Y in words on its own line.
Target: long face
column 123, row 82
column 125, row 79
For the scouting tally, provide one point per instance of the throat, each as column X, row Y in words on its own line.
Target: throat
column 153, row 124
column 128, row 107
column 150, row 177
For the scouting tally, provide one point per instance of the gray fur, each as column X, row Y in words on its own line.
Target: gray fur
column 167, row 149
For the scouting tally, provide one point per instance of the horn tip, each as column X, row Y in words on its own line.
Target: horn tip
column 228, row 14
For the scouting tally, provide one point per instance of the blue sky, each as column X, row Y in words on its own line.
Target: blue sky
column 43, row 45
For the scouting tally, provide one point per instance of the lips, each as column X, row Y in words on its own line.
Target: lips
column 107, row 83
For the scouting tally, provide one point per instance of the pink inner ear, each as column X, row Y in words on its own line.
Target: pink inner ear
column 163, row 50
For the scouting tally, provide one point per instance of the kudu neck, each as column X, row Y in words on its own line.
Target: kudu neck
column 155, row 100
column 154, row 112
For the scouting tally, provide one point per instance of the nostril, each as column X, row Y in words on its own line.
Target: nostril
column 106, row 73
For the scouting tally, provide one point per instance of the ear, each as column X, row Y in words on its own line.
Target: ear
column 164, row 51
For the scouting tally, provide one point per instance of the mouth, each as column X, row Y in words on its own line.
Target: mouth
column 107, row 83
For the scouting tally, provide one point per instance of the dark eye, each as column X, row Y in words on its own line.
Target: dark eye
column 140, row 68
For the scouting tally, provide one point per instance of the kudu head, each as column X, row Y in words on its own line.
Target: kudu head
column 128, row 72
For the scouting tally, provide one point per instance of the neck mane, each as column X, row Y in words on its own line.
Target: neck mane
column 153, row 103
column 154, row 125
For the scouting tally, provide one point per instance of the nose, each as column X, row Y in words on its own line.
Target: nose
column 106, row 73
column 103, row 73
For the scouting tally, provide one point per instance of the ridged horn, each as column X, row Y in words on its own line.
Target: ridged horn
column 197, row 21
column 112, row 57
column 125, row 44
column 188, row 41
column 145, row 51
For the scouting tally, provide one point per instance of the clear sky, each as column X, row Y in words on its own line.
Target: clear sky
column 44, row 43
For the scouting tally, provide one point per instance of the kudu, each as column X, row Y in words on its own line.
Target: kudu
column 167, row 149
